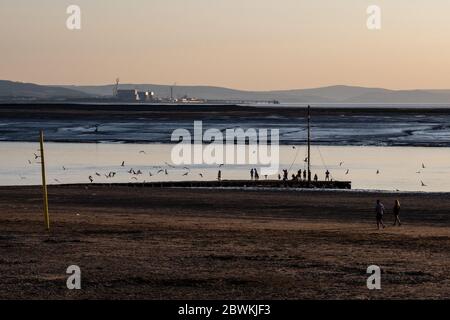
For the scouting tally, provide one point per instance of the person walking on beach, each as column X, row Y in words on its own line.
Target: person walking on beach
column 397, row 213
column 219, row 175
column 379, row 210
column 256, row 174
column 327, row 175
column 299, row 174
column 316, row 177
column 251, row 173
column 285, row 175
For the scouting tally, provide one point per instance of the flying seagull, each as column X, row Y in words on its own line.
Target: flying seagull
column 169, row 165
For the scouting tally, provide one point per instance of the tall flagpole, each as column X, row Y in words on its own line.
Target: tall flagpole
column 44, row 183
column 309, row 144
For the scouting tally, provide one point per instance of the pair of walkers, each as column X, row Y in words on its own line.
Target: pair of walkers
column 380, row 210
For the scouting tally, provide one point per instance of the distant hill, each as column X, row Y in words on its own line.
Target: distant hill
column 332, row 94
column 20, row 90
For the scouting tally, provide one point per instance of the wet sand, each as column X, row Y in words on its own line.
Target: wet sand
column 141, row 123
column 151, row 243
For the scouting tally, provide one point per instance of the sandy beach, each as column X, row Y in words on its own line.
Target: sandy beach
column 151, row 243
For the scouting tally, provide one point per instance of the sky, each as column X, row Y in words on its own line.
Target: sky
column 242, row 44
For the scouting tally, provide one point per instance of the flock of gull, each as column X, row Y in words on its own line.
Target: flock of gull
column 137, row 174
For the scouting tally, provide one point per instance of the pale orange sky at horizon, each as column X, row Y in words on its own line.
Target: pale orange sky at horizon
column 241, row 44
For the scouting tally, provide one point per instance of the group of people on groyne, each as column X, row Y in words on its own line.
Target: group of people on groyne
column 284, row 175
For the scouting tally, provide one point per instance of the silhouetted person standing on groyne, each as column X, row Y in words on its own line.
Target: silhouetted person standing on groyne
column 251, row 173
column 327, row 175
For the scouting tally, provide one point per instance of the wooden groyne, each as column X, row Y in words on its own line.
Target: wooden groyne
column 242, row 184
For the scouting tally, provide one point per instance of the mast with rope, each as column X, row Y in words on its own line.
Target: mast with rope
column 309, row 144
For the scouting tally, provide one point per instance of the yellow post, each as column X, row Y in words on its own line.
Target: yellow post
column 44, row 183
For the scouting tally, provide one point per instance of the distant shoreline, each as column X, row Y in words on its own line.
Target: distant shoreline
column 80, row 109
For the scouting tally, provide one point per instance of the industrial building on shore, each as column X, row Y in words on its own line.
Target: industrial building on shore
column 133, row 95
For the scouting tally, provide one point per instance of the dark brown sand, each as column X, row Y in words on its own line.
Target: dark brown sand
column 134, row 242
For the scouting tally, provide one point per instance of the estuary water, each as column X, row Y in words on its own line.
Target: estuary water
column 425, row 169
